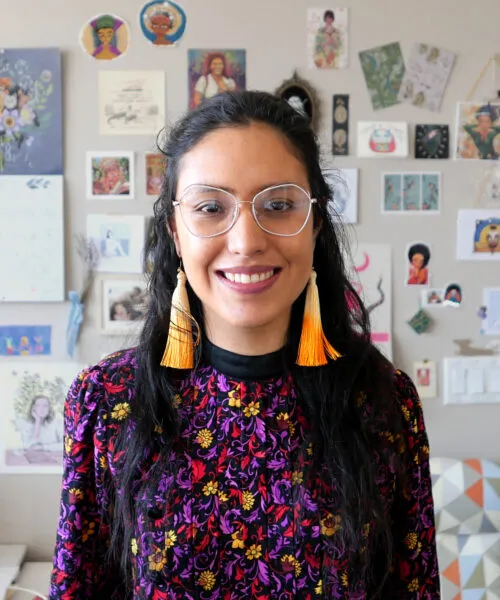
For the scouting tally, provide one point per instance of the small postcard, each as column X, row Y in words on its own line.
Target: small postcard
column 124, row 305
column 383, row 139
column 411, row 193
column 110, row 175
column 425, row 377
column 344, row 193
column 478, row 234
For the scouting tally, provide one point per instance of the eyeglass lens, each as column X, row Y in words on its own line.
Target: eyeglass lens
column 282, row 210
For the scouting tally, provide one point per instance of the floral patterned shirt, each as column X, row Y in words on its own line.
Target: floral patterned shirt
column 239, row 520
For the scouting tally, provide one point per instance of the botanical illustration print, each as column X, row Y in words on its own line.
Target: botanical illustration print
column 30, row 112
column 411, row 192
column 426, row 76
column 327, row 38
column 383, row 68
column 478, row 131
column 237, row 511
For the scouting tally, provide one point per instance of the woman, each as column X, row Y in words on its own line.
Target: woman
column 246, row 475
column 485, row 131
column 418, row 272
column 328, row 43
column 215, row 81
column 105, row 28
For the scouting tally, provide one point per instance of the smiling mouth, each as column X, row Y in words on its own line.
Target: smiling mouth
column 247, row 278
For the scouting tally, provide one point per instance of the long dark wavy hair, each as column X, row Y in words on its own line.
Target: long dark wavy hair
column 345, row 434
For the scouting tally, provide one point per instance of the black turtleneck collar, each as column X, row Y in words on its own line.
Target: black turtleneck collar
column 240, row 366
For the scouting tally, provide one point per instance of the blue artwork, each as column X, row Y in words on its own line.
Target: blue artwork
column 25, row 340
column 30, row 112
column 163, row 22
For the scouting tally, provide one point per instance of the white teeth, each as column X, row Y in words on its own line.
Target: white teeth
column 245, row 278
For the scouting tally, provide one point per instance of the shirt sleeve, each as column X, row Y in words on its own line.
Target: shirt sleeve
column 415, row 575
column 80, row 569
column 201, row 85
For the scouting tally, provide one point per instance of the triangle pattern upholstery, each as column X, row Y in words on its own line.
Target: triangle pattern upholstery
column 467, row 506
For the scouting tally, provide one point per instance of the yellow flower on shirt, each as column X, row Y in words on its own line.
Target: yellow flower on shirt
column 133, row 546
column 247, row 500
column 319, row 588
column 121, row 411
column 413, row 585
column 210, row 488
column 330, row 524
column 170, row 539
column 205, row 438
column 252, row 409
column 207, row 580
column 297, row 477
column 237, row 537
column 235, row 398
column 254, row 552
column 157, row 560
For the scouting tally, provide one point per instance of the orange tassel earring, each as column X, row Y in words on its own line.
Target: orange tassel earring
column 313, row 346
column 179, row 350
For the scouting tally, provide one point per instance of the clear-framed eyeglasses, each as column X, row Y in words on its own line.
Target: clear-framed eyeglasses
column 209, row 211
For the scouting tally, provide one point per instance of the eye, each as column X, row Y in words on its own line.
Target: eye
column 209, row 207
column 278, row 205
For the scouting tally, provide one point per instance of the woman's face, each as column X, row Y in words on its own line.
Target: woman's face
column 41, row 408
column 244, row 161
column 120, row 313
column 160, row 24
column 484, row 122
column 105, row 35
column 217, row 66
column 418, row 260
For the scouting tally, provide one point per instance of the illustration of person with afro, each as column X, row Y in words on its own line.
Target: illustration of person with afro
column 418, row 272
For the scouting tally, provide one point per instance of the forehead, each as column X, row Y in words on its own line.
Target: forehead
column 243, row 158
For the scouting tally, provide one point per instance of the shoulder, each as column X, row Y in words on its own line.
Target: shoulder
column 202, row 83
column 101, row 387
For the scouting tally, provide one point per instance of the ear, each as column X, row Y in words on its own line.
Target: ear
column 172, row 232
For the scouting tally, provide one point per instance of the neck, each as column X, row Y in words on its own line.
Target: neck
column 250, row 341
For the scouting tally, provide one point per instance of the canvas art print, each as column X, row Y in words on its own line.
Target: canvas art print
column 344, row 192
column 382, row 139
column 30, row 112
column 383, row 69
column 25, row 340
column 110, row 175
column 411, row 193
column 31, row 428
column 426, row 76
column 105, row 37
column 327, row 38
column 478, row 131
column 124, row 305
column 214, row 71
column 163, row 22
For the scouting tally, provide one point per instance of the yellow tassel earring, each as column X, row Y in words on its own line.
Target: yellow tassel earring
column 179, row 350
column 313, row 346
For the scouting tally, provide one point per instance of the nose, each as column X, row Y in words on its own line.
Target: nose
column 246, row 238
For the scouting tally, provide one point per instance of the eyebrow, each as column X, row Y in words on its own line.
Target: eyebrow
column 233, row 191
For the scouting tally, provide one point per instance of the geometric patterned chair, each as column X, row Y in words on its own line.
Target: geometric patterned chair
column 467, row 506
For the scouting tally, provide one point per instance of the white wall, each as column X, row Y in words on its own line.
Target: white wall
column 273, row 33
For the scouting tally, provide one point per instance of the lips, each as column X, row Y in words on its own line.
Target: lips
column 249, row 279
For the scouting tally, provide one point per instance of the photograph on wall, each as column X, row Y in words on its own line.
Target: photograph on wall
column 105, row 37
column 432, row 141
column 478, row 234
column 32, row 264
column 488, row 194
column 31, row 428
column 491, row 302
column 383, row 69
column 344, row 193
column 327, row 38
column 411, row 193
column 156, row 164
column 418, row 270
column 425, row 378
column 124, row 305
column 25, row 340
column 119, row 240
column 370, row 275
column 110, row 175
column 211, row 72
column 453, row 295
column 30, row 112
column 478, row 131
column 432, row 297
column 131, row 102
column 162, row 22
column 383, row 139
column 427, row 74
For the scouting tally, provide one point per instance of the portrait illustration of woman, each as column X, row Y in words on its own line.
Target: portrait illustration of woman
column 482, row 129
column 163, row 23
column 328, row 43
column 418, row 271
column 105, row 37
column 221, row 71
